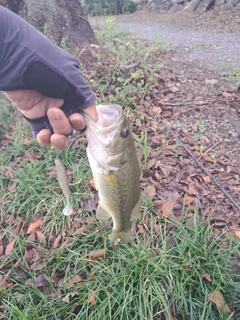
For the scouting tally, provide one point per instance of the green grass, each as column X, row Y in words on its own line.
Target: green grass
column 160, row 273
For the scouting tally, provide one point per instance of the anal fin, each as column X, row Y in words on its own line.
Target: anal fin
column 102, row 213
column 136, row 211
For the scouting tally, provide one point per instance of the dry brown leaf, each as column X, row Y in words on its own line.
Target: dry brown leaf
column 10, row 247
column 167, row 207
column 97, row 254
column 12, row 187
column 207, row 277
column 30, row 155
column 217, row 298
column 41, row 237
column 34, row 226
column 208, row 159
column 8, row 136
column 151, row 191
column 57, row 241
column 151, row 163
column 37, row 266
column 92, row 298
column 88, row 205
column 73, row 280
column 27, row 141
column 236, row 231
column 192, row 190
column 1, row 250
column 157, row 110
column 30, row 240
column 186, row 200
column 207, row 179
column 41, row 281
column 80, row 230
column 140, row 228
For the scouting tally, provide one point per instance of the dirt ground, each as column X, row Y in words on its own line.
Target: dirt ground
column 199, row 58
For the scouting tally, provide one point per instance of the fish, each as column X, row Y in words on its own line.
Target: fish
column 113, row 160
column 64, row 185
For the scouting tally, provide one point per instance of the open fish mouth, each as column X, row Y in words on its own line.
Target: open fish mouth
column 109, row 119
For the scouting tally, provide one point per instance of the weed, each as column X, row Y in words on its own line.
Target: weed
column 64, row 43
column 201, row 126
column 7, row 113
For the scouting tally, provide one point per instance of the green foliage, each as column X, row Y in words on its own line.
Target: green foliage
column 7, row 112
column 108, row 7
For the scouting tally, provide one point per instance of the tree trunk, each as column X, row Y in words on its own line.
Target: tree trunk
column 63, row 21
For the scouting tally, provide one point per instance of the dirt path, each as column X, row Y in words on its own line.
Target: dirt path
column 209, row 41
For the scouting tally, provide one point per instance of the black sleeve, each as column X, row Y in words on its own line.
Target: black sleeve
column 29, row 60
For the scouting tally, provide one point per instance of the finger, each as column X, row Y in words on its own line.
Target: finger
column 44, row 137
column 59, row 121
column 77, row 121
column 91, row 111
column 59, row 141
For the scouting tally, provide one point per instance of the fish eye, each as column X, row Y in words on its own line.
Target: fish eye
column 124, row 133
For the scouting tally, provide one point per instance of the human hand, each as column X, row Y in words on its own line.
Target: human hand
column 34, row 105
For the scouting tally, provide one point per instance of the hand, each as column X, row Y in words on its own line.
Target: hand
column 33, row 105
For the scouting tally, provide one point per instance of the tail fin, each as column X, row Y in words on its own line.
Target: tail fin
column 125, row 235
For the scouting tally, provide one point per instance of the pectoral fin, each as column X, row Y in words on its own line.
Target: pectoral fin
column 136, row 211
column 102, row 213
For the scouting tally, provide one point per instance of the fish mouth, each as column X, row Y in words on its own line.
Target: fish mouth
column 110, row 117
column 102, row 133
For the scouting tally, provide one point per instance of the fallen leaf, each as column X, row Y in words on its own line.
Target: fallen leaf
column 140, row 228
column 208, row 159
column 207, row 277
column 37, row 266
column 10, row 247
column 80, row 230
column 88, row 205
column 57, row 242
column 97, row 254
column 30, row 155
column 27, row 141
column 73, row 280
column 41, row 237
column 157, row 110
column 41, row 281
column 217, row 298
column 151, row 163
column 34, row 226
column 167, row 208
column 192, row 190
column 151, row 191
column 12, row 187
column 236, row 231
column 8, row 136
column 207, row 179
column 186, row 200
column 92, row 298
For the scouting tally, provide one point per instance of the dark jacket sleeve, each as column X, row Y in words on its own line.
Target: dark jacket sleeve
column 29, row 60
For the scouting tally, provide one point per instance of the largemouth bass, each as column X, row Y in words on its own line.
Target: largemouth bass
column 113, row 160
column 64, row 185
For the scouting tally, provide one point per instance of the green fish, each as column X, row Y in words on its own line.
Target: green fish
column 113, row 160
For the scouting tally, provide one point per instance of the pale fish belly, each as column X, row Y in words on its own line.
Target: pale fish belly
column 119, row 194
